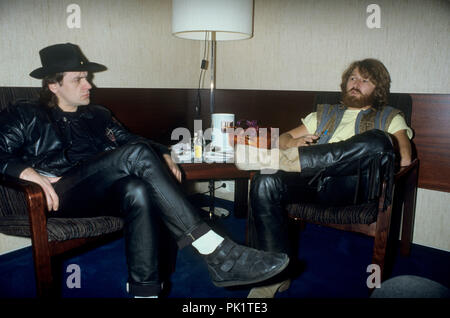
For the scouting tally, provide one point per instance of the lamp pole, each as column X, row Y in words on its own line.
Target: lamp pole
column 213, row 72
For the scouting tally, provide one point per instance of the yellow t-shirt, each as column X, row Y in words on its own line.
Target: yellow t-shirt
column 346, row 128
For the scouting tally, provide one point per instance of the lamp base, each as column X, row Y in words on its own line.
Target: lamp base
column 216, row 212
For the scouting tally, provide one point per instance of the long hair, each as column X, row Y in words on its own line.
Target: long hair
column 377, row 73
column 46, row 96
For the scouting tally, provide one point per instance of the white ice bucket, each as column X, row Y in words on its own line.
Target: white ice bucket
column 219, row 138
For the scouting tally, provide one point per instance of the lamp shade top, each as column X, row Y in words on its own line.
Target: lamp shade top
column 197, row 19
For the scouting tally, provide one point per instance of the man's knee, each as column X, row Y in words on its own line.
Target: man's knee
column 135, row 156
column 376, row 140
column 132, row 190
column 138, row 147
column 135, row 185
column 265, row 186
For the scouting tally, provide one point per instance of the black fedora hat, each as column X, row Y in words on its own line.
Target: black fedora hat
column 65, row 57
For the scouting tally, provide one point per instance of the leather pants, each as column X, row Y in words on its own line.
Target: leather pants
column 269, row 193
column 133, row 182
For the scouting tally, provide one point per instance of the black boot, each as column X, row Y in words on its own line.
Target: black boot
column 231, row 264
column 357, row 166
column 367, row 144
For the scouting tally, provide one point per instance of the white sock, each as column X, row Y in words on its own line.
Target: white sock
column 207, row 243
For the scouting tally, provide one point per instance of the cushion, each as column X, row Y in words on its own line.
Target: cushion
column 12, row 202
column 355, row 214
column 61, row 229
column 14, row 220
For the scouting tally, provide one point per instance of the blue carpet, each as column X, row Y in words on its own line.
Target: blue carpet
column 335, row 264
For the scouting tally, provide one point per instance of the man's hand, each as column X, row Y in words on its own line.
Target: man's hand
column 302, row 141
column 173, row 167
column 287, row 141
column 297, row 137
column 30, row 174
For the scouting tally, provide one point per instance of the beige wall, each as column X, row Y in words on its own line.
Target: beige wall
column 297, row 45
column 132, row 38
column 432, row 221
column 305, row 45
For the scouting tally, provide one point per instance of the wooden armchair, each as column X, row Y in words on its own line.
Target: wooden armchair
column 374, row 219
column 23, row 212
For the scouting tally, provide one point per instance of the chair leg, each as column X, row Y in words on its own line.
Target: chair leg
column 301, row 225
column 44, row 274
column 381, row 240
column 45, row 284
column 408, row 213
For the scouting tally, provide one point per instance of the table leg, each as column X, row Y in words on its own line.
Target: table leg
column 240, row 198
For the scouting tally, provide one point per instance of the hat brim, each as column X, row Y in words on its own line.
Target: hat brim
column 92, row 67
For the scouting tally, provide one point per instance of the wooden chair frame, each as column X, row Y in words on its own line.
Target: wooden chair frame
column 385, row 230
column 45, row 252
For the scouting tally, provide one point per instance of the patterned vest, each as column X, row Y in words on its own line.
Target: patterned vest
column 330, row 116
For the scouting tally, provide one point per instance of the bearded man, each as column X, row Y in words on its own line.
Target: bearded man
column 329, row 140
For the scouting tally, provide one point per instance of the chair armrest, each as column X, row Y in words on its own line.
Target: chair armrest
column 33, row 192
column 36, row 203
column 403, row 171
column 18, row 184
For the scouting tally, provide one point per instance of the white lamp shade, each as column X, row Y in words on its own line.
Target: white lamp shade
column 230, row 19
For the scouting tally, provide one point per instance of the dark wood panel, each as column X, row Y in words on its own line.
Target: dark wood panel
column 277, row 109
column 155, row 113
column 431, row 124
column 152, row 113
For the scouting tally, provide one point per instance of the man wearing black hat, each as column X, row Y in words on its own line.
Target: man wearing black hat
column 87, row 163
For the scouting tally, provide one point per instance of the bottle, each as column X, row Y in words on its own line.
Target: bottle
column 198, row 146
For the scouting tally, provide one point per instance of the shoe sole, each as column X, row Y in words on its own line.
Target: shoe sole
column 269, row 291
column 231, row 283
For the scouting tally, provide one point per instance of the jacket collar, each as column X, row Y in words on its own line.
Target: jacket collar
column 82, row 112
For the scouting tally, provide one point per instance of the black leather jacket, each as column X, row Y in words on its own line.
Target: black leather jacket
column 33, row 135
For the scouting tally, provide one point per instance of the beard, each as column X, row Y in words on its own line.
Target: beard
column 358, row 101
